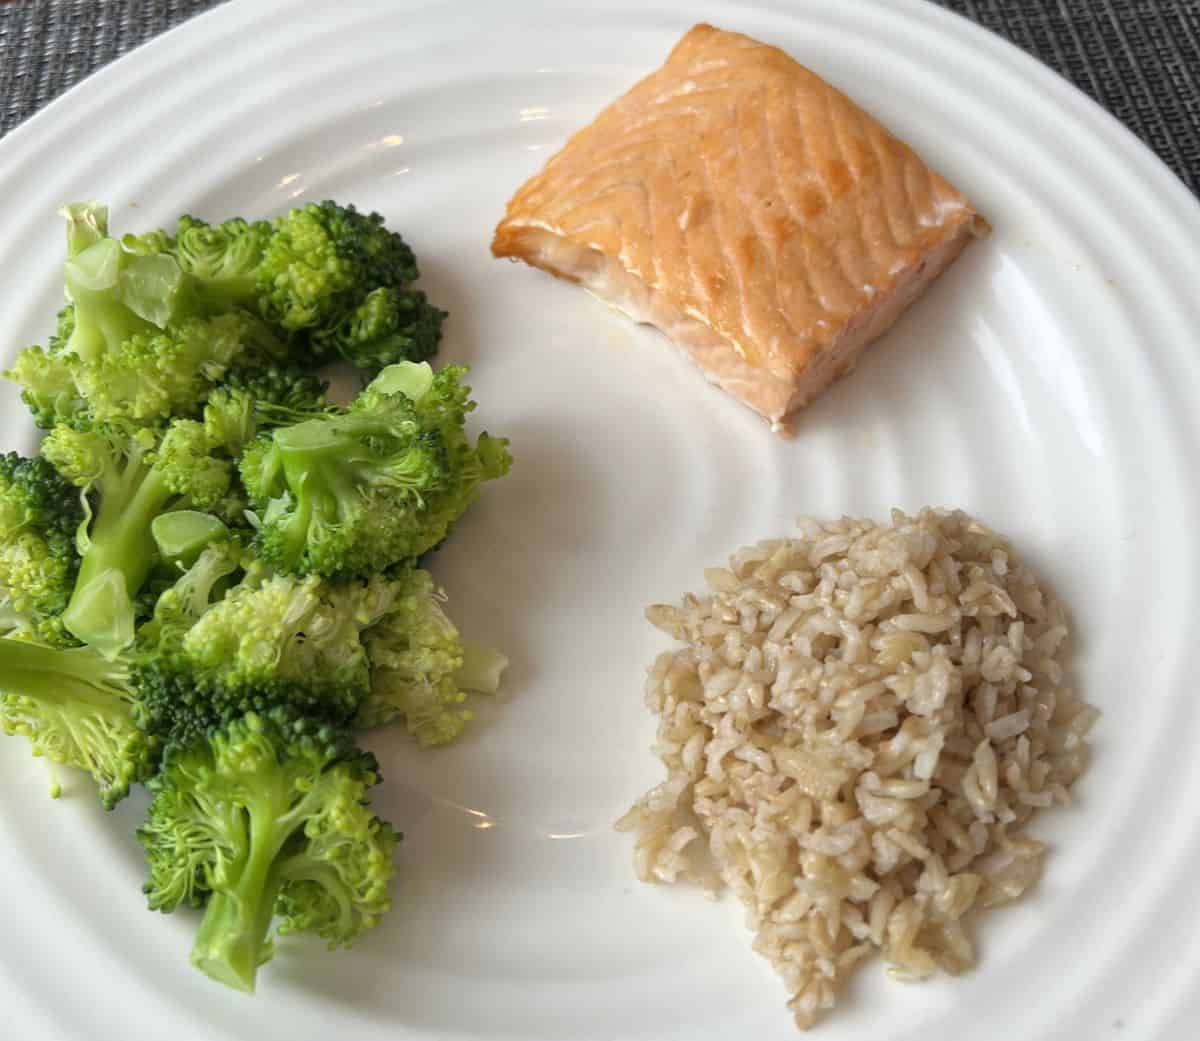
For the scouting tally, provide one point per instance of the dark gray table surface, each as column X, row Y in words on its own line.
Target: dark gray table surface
column 1138, row 58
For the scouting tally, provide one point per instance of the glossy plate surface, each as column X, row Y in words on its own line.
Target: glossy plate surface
column 1050, row 384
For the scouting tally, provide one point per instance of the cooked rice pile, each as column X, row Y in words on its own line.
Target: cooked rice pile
column 861, row 723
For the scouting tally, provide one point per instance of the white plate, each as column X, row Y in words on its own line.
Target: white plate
column 1048, row 384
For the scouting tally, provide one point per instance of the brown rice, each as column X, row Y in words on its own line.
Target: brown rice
column 859, row 725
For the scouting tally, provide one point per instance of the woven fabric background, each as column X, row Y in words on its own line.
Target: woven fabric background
column 1138, row 58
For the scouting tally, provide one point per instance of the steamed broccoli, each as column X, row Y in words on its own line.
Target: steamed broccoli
column 134, row 475
column 420, row 666
column 358, row 490
column 415, row 652
column 76, row 707
column 335, row 282
column 340, row 282
column 147, row 378
column 154, row 321
column 138, row 340
column 389, row 326
column 250, row 401
column 227, row 637
column 222, row 259
column 267, row 818
column 46, row 376
column 209, row 573
column 39, row 516
column 230, row 637
column 114, row 294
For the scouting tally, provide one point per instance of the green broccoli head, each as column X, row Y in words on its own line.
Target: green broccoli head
column 152, row 379
column 148, row 378
column 76, row 707
column 340, row 282
column 34, row 497
column 40, row 514
column 46, row 376
column 391, row 325
column 415, row 654
column 358, row 490
column 221, row 259
column 252, row 400
column 267, row 818
column 132, row 475
column 115, row 294
column 420, row 666
column 230, row 637
column 141, row 340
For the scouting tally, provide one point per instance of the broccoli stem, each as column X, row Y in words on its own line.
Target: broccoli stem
column 78, row 675
column 119, row 556
column 233, row 942
column 102, row 319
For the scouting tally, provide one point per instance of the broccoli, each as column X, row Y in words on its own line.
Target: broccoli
column 135, row 475
column 47, row 378
column 222, row 259
column 340, row 282
column 115, row 294
column 180, row 536
column 229, row 637
column 39, row 516
column 76, row 707
column 138, row 340
column 389, row 326
column 154, row 321
column 250, row 401
column 355, row 491
column 415, row 652
column 335, row 282
column 420, row 666
column 209, row 574
column 267, row 818
column 147, row 378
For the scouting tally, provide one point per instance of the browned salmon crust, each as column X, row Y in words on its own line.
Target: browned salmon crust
column 751, row 211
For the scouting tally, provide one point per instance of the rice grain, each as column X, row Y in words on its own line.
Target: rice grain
column 859, row 725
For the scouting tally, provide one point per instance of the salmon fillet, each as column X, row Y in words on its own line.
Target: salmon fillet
column 749, row 210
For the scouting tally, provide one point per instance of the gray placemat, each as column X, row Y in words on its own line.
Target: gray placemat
column 1138, row 58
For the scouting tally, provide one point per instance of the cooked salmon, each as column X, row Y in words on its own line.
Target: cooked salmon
column 749, row 210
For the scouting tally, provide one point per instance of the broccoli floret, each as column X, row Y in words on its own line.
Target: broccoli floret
column 355, row 491
column 335, row 491
column 391, row 325
column 170, row 374
column 420, row 666
column 443, row 409
column 415, row 652
column 267, row 818
column 222, row 259
column 133, row 475
column 115, row 294
column 76, row 707
column 254, row 400
column 148, row 378
column 230, row 637
column 154, row 321
column 339, row 281
column 39, row 516
column 247, row 403
column 139, row 341
column 46, row 377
